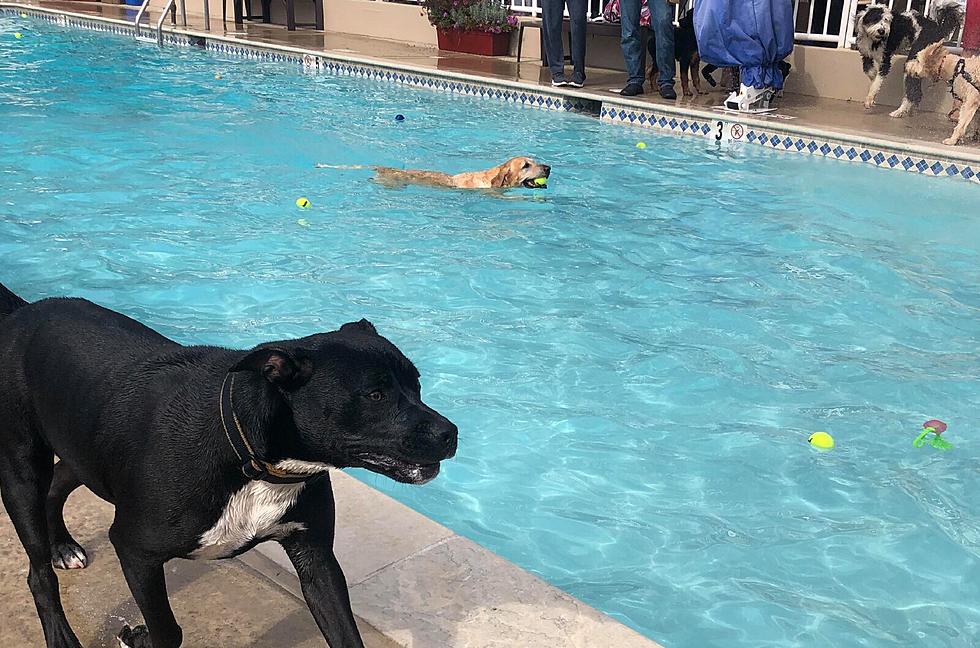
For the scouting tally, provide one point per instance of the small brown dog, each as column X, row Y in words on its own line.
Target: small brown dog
column 516, row 172
column 963, row 74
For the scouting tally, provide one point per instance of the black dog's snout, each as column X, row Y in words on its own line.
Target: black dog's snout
column 446, row 438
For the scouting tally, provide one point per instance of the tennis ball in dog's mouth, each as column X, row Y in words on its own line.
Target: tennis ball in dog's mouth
column 303, row 203
column 541, row 182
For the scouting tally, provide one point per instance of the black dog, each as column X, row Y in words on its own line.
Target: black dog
column 203, row 451
column 882, row 33
column 685, row 52
column 734, row 83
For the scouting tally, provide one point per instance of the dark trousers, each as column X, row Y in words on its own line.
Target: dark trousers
column 551, row 20
column 662, row 24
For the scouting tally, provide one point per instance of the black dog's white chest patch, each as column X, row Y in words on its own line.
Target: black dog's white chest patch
column 254, row 512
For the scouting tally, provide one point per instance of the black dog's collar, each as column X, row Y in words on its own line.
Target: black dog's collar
column 252, row 467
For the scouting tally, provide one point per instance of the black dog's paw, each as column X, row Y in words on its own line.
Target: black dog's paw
column 138, row 637
column 68, row 555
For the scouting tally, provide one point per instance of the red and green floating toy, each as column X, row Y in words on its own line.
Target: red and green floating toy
column 936, row 428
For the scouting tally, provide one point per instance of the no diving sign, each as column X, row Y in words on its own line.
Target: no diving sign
column 727, row 131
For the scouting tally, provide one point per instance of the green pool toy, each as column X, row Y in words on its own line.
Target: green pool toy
column 936, row 428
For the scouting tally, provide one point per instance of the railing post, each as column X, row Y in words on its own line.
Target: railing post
column 207, row 15
column 847, row 24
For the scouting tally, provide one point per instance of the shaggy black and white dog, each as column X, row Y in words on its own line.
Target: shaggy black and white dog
column 881, row 34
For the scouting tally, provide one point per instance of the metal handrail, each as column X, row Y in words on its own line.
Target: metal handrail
column 139, row 16
column 163, row 16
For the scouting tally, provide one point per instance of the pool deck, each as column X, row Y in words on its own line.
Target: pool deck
column 413, row 584
column 922, row 133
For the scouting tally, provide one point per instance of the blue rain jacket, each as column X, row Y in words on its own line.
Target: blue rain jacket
column 752, row 34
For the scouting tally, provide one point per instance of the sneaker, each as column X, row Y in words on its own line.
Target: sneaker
column 576, row 84
column 631, row 90
column 668, row 92
column 559, row 83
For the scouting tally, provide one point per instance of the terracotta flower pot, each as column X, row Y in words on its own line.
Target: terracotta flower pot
column 474, row 42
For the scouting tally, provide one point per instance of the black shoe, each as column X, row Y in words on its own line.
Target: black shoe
column 667, row 92
column 576, row 84
column 631, row 90
column 559, row 83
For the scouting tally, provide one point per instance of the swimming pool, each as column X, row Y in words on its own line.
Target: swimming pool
column 635, row 357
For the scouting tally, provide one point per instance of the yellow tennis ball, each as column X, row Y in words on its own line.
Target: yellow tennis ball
column 541, row 182
column 18, row 35
column 641, row 145
column 303, row 203
column 821, row 440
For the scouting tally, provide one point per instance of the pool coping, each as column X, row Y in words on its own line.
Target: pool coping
column 717, row 127
column 423, row 586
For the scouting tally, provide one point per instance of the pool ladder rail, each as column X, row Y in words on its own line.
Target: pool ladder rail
column 169, row 9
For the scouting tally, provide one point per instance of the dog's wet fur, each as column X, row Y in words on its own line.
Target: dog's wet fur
column 938, row 64
column 135, row 417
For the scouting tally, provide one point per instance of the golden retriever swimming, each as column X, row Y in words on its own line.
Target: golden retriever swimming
column 516, row 172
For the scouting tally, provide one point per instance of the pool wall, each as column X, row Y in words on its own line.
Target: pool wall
column 720, row 129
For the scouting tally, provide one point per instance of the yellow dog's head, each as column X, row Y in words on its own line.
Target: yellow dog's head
column 520, row 172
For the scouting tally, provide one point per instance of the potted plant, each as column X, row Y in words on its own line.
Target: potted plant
column 472, row 26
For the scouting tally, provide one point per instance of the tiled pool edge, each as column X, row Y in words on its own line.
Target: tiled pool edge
column 726, row 128
column 782, row 136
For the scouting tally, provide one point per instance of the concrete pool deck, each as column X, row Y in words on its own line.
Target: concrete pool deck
column 413, row 584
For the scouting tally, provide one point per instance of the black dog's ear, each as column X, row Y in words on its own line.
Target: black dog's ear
column 279, row 366
column 363, row 326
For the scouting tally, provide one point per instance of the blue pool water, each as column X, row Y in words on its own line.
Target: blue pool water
column 635, row 357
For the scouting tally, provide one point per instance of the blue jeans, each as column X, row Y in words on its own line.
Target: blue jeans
column 634, row 49
column 551, row 25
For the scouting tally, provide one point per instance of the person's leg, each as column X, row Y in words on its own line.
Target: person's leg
column 551, row 25
column 632, row 42
column 576, row 16
column 662, row 22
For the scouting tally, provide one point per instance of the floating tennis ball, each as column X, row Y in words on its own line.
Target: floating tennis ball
column 821, row 440
column 303, row 203
column 18, row 35
column 23, row 15
column 641, row 145
column 541, row 182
